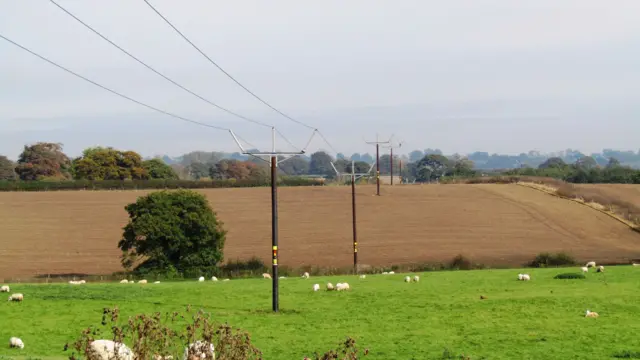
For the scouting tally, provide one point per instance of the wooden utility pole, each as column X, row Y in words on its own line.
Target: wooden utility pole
column 377, row 143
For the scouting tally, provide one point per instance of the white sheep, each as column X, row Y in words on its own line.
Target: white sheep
column 391, row 272
column 213, row 278
column 363, row 276
column 416, row 278
column 16, row 297
column 407, row 279
column 201, row 279
column 591, row 314
column 282, row 277
column 305, row 275
column 585, row 269
column 124, row 281
column 15, row 342
column 106, row 350
column 316, row 287
column 226, row 279
column 520, row 276
column 330, row 287
column 143, row 281
column 199, row 349
column 266, row 276
column 73, row 282
column 83, row 281
column 526, row 277
column 591, row 264
column 157, row 282
column 600, row 269
column 634, row 264
column 342, row 286
column 385, row 273
column 5, row 289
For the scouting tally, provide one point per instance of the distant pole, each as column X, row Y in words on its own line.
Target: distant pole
column 353, row 211
column 274, row 231
column 378, row 169
column 391, row 166
column 377, row 143
column 400, row 171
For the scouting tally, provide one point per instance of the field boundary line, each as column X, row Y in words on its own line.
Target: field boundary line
column 606, row 212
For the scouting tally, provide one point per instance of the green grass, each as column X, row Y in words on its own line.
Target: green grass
column 539, row 319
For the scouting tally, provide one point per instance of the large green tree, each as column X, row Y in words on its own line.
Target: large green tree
column 172, row 231
column 158, row 169
column 7, row 169
column 100, row 163
column 321, row 164
column 431, row 167
column 43, row 161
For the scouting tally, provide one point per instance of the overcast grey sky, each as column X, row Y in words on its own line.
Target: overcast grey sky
column 461, row 75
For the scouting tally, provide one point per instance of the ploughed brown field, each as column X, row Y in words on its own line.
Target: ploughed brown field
column 626, row 192
column 77, row 232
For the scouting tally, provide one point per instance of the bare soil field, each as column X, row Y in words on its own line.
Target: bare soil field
column 77, row 232
column 626, row 192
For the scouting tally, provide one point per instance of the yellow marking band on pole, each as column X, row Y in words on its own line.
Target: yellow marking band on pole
column 275, row 262
column 355, row 243
column 275, row 248
column 355, row 250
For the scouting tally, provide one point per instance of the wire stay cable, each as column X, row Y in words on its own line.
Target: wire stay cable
column 156, row 71
column 110, row 90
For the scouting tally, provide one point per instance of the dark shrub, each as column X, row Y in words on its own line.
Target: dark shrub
column 552, row 260
column 461, row 263
column 569, row 276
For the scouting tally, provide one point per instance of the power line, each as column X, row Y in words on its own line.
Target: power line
column 155, row 71
column 111, row 91
column 221, row 69
column 234, row 79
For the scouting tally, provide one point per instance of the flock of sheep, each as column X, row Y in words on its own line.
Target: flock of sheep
column 106, row 349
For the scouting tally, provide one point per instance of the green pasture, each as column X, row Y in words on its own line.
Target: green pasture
column 539, row 319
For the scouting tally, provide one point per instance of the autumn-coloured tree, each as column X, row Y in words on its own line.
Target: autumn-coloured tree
column 101, row 163
column 43, row 161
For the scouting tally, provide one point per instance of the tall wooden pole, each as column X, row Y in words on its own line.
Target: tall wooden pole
column 353, row 211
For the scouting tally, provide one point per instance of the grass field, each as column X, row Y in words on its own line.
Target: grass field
column 77, row 232
column 539, row 319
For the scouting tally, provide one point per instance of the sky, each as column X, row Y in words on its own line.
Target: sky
column 500, row 76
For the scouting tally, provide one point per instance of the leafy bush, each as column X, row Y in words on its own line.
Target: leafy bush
column 569, row 276
column 172, row 229
column 238, row 268
column 627, row 355
column 543, row 260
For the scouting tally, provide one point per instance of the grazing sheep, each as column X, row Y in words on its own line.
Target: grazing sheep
column 124, row 281
column 201, row 279
column 591, row 264
column 14, row 342
column 266, row 276
column 391, row 272
column 305, row 275
column 600, row 269
column 634, row 264
column 73, row 282
column 144, row 281
column 385, row 273
column 416, row 278
column 407, row 279
column 199, row 350
column 363, row 276
column 520, row 276
column 584, row 269
column 226, row 280
column 591, row 314
column 330, row 287
column 83, row 281
column 157, row 282
column 5, row 289
column 213, row 278
column 342, row 286
column 526, row 277
column 316, row 287
column 106, row 350
column 282, row 277
column 16, row 297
